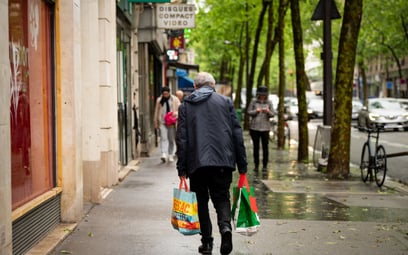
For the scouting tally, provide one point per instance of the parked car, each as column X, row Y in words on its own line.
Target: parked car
column 403, row 102
column 291, row 107
column 315, row 108
column 275, row 101
column 386, row 112
column 356, row 107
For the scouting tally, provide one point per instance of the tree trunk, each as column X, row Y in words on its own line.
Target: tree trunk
column 364, row 81
column 282, row 71
column 270, row 45
column 250, row 81
column 238, row 99
column 301, row 82
column 339, row 157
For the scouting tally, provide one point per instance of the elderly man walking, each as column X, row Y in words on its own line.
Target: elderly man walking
column 209, row 146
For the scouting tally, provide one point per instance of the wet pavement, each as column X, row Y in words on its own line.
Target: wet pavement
column 301, row 213
column 291, row 190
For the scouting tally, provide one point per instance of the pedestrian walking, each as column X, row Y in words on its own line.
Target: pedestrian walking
column 180, row 95
column 165, row 117
column 260, row 110
column 210, row 145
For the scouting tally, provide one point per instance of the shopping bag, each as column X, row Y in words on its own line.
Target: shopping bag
column 170, row 119
column 246, row 221
column 184, row 216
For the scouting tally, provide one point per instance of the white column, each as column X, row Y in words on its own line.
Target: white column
column 69, row 104
column 90, row 99
column 135, row 73
column 108, row 93
column 5, row 156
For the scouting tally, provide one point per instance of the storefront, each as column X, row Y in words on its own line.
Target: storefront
column 32, row 99
column 58, row 125
column 71, row 74
column 124, row 20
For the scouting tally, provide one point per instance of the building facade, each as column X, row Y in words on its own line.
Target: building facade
column 77, row 89
column 385, row 78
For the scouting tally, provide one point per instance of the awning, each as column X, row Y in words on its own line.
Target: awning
column 185, row 66
column 185, row 82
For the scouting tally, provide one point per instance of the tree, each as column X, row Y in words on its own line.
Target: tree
column 282, row 78
column 383, row 36
column 339, row 157
column 301, row 82
column 241, row 64
column 225, row 28
column 271, row 41
column 250, row 81
column 213, row 30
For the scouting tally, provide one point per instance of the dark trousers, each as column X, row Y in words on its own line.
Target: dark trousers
column 264, row 137
column 212, row 183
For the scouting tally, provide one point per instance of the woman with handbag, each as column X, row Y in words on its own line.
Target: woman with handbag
column 165, row 118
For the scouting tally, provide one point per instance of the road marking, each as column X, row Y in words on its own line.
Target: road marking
column 383, row 142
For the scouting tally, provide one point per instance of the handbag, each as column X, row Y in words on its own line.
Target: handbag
column 246, row 221
column 184, row 215
column 170, row 119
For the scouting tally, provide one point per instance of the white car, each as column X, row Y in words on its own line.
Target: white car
column 356, row 107
column 291, row 107
column 315, row 108
column 275, row 101
column 385, row 112
column 403, row 102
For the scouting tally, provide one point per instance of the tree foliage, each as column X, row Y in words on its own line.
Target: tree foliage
column 226, row 41
column 383, row 36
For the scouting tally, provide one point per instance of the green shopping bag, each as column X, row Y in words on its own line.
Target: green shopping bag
column 246, row 221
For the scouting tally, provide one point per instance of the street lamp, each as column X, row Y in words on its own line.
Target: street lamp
column 326, row 10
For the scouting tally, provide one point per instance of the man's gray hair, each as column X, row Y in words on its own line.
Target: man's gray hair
column 204, row 78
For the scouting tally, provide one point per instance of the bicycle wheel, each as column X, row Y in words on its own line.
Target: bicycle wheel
column 365, row 162
column 380, row 165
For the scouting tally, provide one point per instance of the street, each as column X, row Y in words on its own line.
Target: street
column 301, row 213
column 393, row 141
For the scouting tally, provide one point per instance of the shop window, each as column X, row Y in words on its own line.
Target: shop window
column 31, row 99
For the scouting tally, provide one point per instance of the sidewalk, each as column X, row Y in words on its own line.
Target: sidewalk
column 134, row 218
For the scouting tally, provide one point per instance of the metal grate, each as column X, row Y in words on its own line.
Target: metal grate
column 29, row 229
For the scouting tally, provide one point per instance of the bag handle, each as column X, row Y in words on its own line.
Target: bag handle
column 183, row 183
column 243, row 181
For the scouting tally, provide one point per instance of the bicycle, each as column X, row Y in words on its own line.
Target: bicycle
column 373, row 162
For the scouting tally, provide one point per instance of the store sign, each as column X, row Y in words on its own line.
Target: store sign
column 175, row 16
column 177, row 42
column 172, row 55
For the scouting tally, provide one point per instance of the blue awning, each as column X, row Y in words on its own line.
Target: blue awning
column 184, row 82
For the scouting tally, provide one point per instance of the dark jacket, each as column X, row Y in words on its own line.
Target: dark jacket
column 209, row 133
